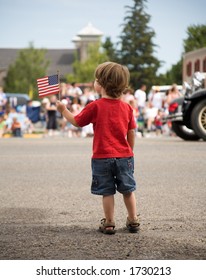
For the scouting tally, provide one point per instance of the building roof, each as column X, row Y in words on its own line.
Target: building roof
column 89, row 30
column 76, row 39
column 60, row 59
column 195, row 52
column 7, row 57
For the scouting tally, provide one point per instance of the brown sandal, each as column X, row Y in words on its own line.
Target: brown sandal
column 133, row 226
column 107, row 228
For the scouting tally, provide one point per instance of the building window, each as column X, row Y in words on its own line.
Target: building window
column 189, row 69
column 197, row 65
column 204, row 65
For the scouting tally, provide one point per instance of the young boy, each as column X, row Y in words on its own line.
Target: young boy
column 114, row 137
column 16, row 127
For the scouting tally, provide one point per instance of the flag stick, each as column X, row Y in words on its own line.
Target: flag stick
column 59, row 84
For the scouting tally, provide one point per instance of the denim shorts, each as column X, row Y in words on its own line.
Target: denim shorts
column 113, row 174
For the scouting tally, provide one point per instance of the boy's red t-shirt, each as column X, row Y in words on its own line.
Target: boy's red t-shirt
column 111, row 119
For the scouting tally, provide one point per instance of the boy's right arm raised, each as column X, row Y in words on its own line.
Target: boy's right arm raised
column 66, row 113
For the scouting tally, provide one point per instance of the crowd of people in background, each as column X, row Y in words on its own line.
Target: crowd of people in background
column 148, row 112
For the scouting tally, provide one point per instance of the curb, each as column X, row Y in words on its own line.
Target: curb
column 27, row 136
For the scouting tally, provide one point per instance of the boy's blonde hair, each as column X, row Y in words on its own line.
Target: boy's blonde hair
column 113, row 77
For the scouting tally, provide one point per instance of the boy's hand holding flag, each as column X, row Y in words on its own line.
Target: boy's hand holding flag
column 60, row 106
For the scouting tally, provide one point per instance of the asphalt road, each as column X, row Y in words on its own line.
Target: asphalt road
column 47, row 211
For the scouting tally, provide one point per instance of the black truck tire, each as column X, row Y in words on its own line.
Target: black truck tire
column 198, row 119
column 183, row 132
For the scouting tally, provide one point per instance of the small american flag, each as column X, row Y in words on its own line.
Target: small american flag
column 48, row 85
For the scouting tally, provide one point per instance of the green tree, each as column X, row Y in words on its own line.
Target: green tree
column 136, row 45
column 84, row 71
column 110, row 50
column 174, row 75
column 196, row 38
column 29, row 65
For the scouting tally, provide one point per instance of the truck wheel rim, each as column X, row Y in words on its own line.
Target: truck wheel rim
column 202, row 118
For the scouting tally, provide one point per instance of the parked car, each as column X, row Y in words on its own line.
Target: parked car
column 188, row 113
column 16, row 99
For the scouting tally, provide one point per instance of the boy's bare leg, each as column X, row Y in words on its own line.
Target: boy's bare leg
column 108, row 206
column 130, row 203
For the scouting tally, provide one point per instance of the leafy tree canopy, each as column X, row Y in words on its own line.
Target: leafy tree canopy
column 196, row 38
column 110, row 50
column 84, row 71
column 22, row 74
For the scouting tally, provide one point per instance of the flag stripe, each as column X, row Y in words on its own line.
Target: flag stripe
column 48, row 85
column 42, row 89
column 42, row 79
column 47, row 91
column 47, row 94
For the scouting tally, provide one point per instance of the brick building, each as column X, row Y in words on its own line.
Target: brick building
column 194, row 61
